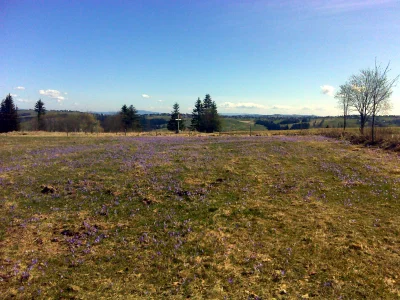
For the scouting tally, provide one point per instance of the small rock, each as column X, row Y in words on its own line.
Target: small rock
column 46, row 189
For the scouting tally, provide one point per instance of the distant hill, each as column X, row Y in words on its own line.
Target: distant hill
column 140, row 112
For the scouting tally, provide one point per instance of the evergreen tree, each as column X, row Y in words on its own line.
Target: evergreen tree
column 134, row 118
column 205, row 116
column 129, row 118
column 41, row 110
column 124, row 117
column 207, row 102
column 173, row 123
column 196, row 115
column 209, row 120
column 215, row 119
column 8, row 115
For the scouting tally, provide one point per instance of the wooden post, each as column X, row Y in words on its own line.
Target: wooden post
column 179, row 119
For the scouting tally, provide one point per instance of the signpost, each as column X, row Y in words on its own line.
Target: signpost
column 177, row 120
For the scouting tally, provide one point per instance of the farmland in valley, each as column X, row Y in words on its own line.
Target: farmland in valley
column 201, row 217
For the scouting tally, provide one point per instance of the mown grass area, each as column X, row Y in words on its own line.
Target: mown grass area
column 233, row 124
column 197, row 217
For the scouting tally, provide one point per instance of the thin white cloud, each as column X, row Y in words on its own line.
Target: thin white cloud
column 160, row 100
column 53, row 94
column 347, row 5
column 19, row 88
column 23, row 100
column 327, row 90
column 251, row 107
column 14, row 95
column 145, row 96
column 282, row 107
column 242, row 105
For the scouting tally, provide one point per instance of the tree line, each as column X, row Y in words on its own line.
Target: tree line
column 205, row 118
column 284, row 124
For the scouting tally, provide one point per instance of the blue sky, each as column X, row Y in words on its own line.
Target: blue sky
column 252, row 56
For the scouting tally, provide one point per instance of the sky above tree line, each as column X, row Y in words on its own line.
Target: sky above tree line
column 266, row 57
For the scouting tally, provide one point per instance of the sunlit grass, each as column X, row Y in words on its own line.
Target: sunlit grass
column 242, row 217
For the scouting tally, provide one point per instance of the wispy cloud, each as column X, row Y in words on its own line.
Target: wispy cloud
column 347, row 5
column 327, row 90
column 282, row 107
column 145, row 96
column 53, row 94
column 251, row 107
column 19, row 88
column 23, row 100
column 242, row 105
column 160, row 100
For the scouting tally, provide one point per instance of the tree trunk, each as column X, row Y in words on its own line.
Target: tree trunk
column 362, row 124
column 373, row 129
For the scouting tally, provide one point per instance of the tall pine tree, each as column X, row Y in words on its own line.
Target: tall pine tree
column 196, row 115
column 124, row 117
column 215, row 119
column 134, row 118
column 41, row 110
column 173, row 123
column 130, row 118
column 8, row 115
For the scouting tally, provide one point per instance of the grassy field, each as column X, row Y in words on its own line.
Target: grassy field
column 215, row 217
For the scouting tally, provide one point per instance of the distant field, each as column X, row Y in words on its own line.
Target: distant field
column 232, row 124
column 87, row 216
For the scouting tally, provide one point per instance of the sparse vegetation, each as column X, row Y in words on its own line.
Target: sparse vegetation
column 201, row 217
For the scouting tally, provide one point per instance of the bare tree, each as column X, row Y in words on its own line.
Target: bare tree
column 361, row 95
column 381, row 90
column 344, row 101
column 369, row 93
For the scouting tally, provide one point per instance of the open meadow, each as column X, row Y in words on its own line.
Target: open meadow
column 235, row 217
